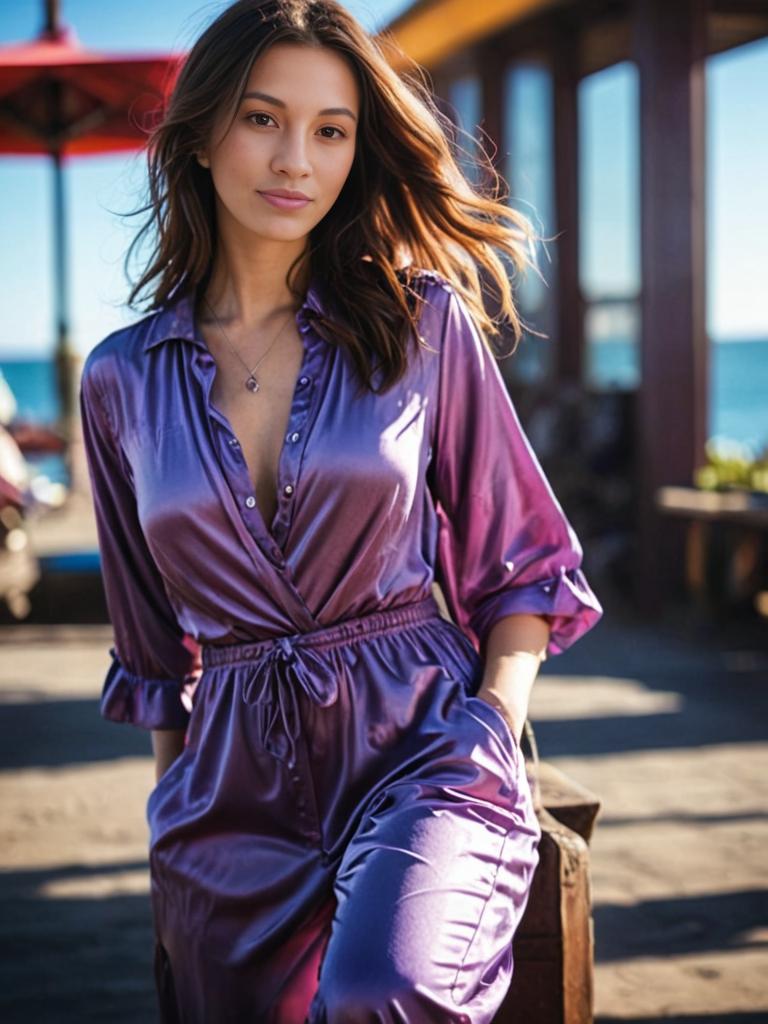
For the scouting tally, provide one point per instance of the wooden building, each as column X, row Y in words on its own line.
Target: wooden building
column 490, row 59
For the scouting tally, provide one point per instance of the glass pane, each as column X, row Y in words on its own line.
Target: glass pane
column 528, row 169
column 612, row 357
column 609, row 214
column 737, row 243
column 465, row 96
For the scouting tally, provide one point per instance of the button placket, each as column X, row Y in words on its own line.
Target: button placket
column 292, row 451
column 236, row 470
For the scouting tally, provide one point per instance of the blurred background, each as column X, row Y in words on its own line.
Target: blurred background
column 634, row 133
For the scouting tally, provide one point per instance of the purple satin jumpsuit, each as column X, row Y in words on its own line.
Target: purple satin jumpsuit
column 348, row 834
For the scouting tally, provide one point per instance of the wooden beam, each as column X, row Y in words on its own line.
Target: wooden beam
column 728, row 29
column 604, row 42
column 432, row 32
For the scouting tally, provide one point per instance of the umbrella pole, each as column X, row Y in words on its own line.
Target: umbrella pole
column 64, row 355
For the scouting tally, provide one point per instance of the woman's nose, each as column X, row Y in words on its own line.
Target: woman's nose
column 291, row 155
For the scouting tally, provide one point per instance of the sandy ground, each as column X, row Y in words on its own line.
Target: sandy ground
column 667, row 726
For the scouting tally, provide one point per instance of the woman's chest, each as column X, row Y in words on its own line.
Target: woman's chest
column 308, row 447
column 260, row 416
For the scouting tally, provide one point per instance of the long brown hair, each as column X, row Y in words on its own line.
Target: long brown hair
column 406, row 203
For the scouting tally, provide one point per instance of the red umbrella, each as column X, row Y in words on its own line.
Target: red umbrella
column 61, row 99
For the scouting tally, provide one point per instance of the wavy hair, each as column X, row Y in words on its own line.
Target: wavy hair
column 406, row 203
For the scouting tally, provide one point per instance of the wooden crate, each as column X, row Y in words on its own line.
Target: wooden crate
column 553, row 949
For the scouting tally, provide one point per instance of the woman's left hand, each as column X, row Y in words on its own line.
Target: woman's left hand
column 513, row 716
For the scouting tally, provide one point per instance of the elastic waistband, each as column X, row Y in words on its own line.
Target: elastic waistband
column 372, row 624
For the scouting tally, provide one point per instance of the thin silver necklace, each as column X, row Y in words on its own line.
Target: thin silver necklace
column 251, row 381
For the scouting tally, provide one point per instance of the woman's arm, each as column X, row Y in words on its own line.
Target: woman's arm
column 167, row 745
column 505, row 546
column 515, row 649
column 152, row 657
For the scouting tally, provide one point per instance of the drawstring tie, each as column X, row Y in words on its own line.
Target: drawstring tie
column 272, row 687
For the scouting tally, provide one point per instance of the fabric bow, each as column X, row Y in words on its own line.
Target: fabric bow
column 272, row 688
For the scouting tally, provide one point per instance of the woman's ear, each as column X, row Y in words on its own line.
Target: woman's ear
column 202, row 159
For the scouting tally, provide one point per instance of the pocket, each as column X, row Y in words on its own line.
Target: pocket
column 164, row 780
column 463, row 661
column 498, row 723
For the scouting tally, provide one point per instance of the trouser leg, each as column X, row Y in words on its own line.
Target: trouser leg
column 432, row 888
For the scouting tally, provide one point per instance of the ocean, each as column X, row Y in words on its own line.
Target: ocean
column 738, row 391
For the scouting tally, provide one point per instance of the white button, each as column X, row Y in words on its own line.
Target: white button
column 250, row 501
column 288, row 489
column 303, row 381
column 294, row 436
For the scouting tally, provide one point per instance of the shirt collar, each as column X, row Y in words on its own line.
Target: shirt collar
column 176, row 319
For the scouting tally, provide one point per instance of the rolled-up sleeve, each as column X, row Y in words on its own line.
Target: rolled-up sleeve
column 153, row 659
column 504, row 544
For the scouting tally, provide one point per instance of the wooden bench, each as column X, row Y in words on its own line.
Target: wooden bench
column 725, row 557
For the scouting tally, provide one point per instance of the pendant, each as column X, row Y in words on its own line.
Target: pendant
column 252, row 384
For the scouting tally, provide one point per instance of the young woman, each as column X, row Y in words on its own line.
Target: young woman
column 306, row 432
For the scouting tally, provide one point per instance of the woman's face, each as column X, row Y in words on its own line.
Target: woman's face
column 298, row 135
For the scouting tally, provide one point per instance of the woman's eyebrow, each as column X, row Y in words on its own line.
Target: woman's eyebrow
column 279, row 103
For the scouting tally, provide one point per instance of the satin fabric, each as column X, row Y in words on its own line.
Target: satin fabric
column 379, row 496
column 369, row 861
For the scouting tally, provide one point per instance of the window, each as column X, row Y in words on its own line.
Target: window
column 465, row 96
column 528, row 169
column 609, row 218
column 737, row 244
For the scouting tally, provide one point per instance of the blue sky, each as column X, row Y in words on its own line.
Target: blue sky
column 99, row 188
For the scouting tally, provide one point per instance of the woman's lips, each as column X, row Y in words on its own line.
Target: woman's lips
column 283, row 203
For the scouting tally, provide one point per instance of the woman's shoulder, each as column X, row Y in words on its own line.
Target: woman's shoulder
column 425, row 276
column 434, row 290
column 110, row 356
column 120, row 344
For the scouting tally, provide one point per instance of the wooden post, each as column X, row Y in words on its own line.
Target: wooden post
column 669, row 46
column 570, row 311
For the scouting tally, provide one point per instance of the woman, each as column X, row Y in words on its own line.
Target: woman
column 342, row 829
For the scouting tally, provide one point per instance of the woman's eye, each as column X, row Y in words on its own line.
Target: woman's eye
column 248, row 118
column 330, row 127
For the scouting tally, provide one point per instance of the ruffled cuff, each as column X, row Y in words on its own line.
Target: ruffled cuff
column 147, row 703
column 567, row 601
